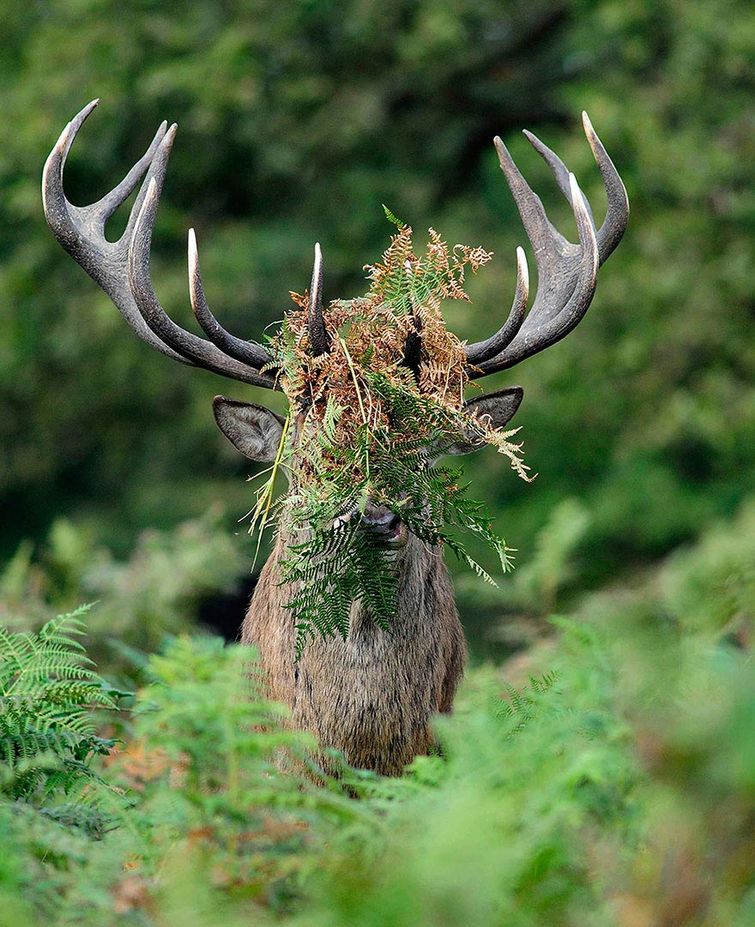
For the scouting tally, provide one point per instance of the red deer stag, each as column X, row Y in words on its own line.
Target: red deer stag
column 372, row 695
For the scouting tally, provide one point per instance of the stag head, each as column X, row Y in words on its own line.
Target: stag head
column 566, row 273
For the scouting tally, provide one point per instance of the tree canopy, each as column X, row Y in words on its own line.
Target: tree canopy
column 296, row 121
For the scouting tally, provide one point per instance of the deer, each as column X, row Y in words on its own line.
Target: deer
column 371, row 696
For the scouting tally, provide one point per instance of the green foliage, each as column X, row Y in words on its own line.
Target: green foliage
column 552, row 562
column 48, row 740
column 369, row 424
column 211, row 818
column 711, row 587
column 307, row 119
column 605, row 777
column 207, row 756
column 155, row 593
column 340, row 563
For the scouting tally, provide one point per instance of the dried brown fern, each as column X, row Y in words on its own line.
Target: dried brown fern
column 367, row 411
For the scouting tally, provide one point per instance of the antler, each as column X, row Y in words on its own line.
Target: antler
column 566, row 272
column 121, row 268
column 319, row 340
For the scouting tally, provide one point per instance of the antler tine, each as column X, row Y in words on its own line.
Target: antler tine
column 546, row 240
column 248, row 352
column 566, row 272
column 201, row 352
column 584, row 288
column 318, row 336
column 614, row 225
column 482, row 351
column 104, row 208
column 80, row 229
column 617, row 214
column 559, row 170
column 553, row 316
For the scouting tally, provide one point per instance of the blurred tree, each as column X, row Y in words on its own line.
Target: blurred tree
column 297, row 121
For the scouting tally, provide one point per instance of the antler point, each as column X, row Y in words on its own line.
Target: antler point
column 590, row 133
column 577, row 196
column 523, row 269
column 504, row 155
column 62, row 141
column 193, row 252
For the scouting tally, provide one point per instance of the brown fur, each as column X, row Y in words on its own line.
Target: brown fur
column 373, row 695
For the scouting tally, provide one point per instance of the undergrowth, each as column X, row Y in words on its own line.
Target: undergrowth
column 48, row 737
column 604, row 779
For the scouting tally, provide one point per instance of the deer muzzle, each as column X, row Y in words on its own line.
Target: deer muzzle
column 383, row 525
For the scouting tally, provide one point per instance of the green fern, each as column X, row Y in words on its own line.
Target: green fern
column 370, row 429
column 48, row 692
column 335, row 564
column 521, row 705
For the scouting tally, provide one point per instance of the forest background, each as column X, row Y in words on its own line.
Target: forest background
column 296, row 122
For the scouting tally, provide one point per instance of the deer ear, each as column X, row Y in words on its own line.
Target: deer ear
column 253, row 430
column 497, row 408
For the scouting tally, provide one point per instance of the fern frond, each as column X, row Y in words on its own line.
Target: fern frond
column 48, row 691
column 367, row 425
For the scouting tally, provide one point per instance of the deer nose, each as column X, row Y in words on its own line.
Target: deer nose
column 381, row 521
column 385, row 524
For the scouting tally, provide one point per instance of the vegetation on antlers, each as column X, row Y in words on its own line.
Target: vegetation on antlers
column 370, row 419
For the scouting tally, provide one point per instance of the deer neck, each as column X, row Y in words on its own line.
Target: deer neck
column 423, row 582
column 371, row 695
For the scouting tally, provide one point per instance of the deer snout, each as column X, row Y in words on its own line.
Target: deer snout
column 385, row 525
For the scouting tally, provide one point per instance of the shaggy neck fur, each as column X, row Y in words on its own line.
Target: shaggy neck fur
column 373, row 695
